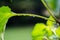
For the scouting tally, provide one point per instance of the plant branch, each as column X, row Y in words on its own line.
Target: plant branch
column 50, row 12
column 33, row 15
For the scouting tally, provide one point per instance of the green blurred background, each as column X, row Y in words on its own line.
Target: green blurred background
column 20, row 28
column 19, row 33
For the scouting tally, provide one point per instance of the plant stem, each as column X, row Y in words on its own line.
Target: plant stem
column 33, row 15
column 2, row 36
column 49, row 10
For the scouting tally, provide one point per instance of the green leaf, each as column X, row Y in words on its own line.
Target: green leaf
column 50, row 22
column 49, row 31
column 50, row 25
column 5, row 14
column 38, row 38
column 58, row 31
column 39, row 30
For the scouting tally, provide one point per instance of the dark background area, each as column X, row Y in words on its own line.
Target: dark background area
column 24, row 6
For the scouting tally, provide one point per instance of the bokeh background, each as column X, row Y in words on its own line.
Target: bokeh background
column 20, row 28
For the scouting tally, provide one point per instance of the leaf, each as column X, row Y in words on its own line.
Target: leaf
column 50, row 22
column 38, row 38
column 50, row 25
column 5, row 14
column 49, row 31
column 39, row 30
column 58, row 31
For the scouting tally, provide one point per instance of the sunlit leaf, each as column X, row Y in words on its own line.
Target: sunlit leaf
column 58, row 31
column 50, row 22
column 39, row 30
column 38, row 38
column 49, row 31
column 5, row 14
